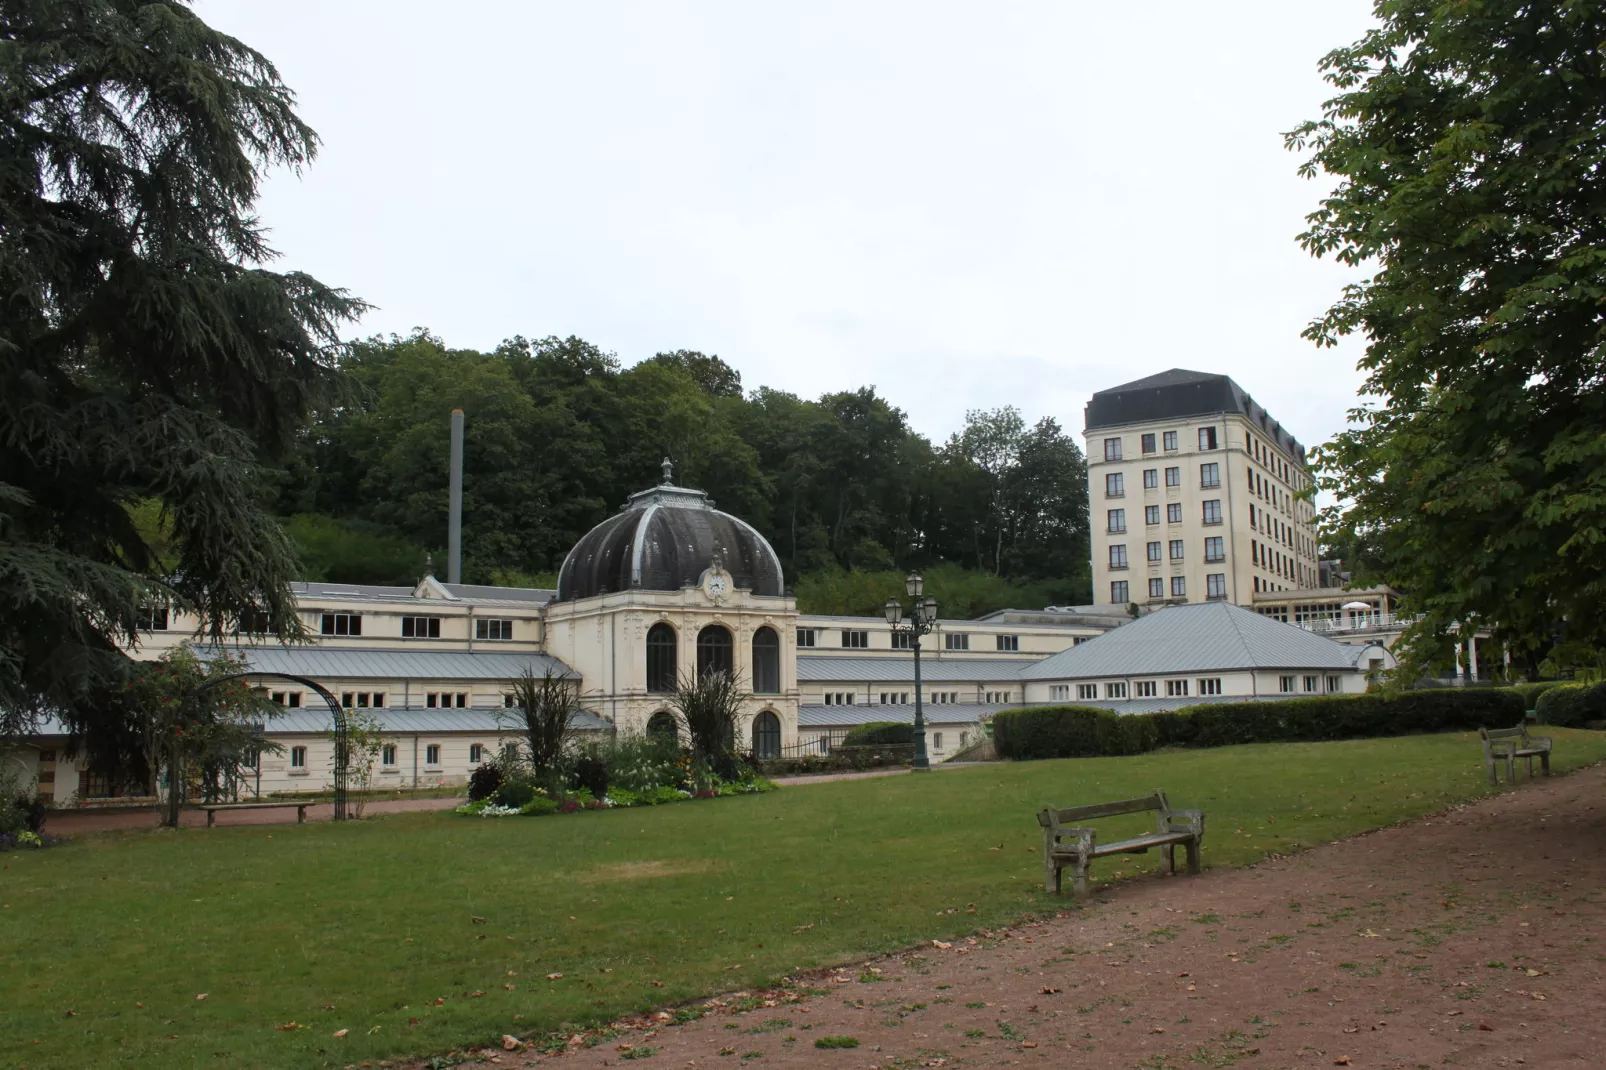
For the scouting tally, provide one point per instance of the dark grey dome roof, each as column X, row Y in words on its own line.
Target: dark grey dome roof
column 663, row 540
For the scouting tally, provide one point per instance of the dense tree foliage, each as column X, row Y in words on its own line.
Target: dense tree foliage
column 145, row 352
column 1468, row 144
column 559, row 434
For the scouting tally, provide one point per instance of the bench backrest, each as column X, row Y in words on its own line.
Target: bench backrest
column 1502, row 738
column 1052, row 818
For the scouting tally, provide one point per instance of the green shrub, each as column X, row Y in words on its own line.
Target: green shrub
column 1572, row 705
column 539, row 806
column 1530, row 692
column 514, row 793
column 1084, row 731
column 877, row 733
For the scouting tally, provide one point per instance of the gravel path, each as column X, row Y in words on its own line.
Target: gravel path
column 1471, row 939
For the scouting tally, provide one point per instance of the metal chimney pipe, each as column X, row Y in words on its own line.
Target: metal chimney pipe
column 454, row 528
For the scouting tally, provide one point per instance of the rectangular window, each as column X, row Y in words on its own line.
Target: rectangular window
column 432, row 754
column 507, row 700
column 1059, row 692
column 1154, row 553
column 387, row 756
column 1114, row 485
column 1176, row 549
column 298, row 757
column 1086, row 691
column 1157, row 587
column 1118, row 555
column 1148, row 443
column 1176, row 689
column 153, row 616
column 1334, row 685
column 476, row 753
column 348, row 700
column 936, row 741
column 1210, row 475
column 1151, row 478
column 421, row 627
column 1215, row 548
column 1112, row 449
column 1115, row 691
column 855, row 640
column 1207, row 438
column 493, row 628
column 1149, row 688
column 362, row 700
column 1210, row 686
column 1212, row 511
column 1173, row 513
column 1179, row 587
column 1285, row 684
column 956, row 641
column 1009, row 642
column 1170, row 440
column 1216, row 585
column 1116, row 521
column 379, row 700
column 1151, row 514
column 902, row 641
column 805, row 637
column 462, row 700
column 1173, row 477
column 1118, row 593
column 336, row 624
column 1310, row 684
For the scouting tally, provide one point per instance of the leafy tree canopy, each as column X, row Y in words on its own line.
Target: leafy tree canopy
column 1468, row 145
column 146, row 353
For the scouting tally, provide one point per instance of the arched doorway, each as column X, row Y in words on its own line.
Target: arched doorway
column 766, row 735
column 766, row 662
column 662, row 726
column 715, row 650
column 661, row 668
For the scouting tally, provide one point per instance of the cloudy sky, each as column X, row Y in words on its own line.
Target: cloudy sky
column 966, row 205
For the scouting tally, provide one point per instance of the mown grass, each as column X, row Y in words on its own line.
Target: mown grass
column 365, row 926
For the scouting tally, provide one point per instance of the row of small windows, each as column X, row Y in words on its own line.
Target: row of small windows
column 902, row 698
column 1115, row 482
column 364, row 700
column 1207, row 441
column 1206, row 686
column 859, row 639
column 1215, row 587
column 415, row 627
column 1115, row 519
column 1215, row 549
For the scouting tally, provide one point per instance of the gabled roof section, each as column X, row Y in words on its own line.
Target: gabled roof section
column 1207, row 637
column 1179, row 394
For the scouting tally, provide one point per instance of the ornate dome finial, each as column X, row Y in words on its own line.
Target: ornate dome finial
column 669, row 472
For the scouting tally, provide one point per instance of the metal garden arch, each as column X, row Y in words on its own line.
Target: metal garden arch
column 342, row 736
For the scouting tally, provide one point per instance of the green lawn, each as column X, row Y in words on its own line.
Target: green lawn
column 365, row 926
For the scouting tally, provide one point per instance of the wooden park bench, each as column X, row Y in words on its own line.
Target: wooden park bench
column 1509, row 744
column 1066, row 843
column 213, row 808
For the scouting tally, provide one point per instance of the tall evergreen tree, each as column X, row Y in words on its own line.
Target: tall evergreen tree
column 145, row 350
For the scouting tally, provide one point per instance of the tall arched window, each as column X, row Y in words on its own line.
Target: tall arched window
column 766, row 735
column 661, row 725
column 715, row 650
column 661, row 658
column 766, row 662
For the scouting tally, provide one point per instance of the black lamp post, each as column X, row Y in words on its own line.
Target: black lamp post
column 922, row 619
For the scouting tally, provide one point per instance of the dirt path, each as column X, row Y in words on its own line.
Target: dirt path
column 1471, row 939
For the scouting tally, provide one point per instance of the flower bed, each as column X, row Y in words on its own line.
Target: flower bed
column 543, row 802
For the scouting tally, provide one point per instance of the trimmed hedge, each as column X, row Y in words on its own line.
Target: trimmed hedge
column 1572, row 705
column 1085, row 731
column 878, row 733
column 1530, row 692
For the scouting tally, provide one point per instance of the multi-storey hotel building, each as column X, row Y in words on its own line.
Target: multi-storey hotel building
column 1194, row 494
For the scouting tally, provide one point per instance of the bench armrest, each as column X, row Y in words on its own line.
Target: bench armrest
column 1081, row 839
column 1184, row 821
column 1542, row 742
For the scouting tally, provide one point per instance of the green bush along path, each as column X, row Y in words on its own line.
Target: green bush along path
column 375, row 927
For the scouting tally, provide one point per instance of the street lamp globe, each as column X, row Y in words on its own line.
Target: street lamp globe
column 915, row 584
column 931, row 608
column 894, row 611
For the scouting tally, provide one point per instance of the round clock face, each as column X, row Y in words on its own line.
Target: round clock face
column 717, row 586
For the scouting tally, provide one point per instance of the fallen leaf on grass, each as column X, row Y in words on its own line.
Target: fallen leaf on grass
column 475, row 994
column 942, row 944
column 341, row 1032
column 658, row 984
column 475, row 919
column 201, row 996
column 510, row 987
column 510, row 1042
column 287, row 1027
column 554, row 977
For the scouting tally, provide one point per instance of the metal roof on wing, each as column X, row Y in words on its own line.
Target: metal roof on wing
column 314, row 719
column 1205, row 637
column 813, row 716
column 337, row 663
column 813, row 669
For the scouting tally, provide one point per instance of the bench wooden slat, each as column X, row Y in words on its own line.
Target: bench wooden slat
column 275, row 805
column 1111, row 809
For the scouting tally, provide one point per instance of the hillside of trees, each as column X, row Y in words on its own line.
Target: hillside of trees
column 559, row 434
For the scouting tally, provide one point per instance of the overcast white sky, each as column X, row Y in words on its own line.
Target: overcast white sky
column 966, row 205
